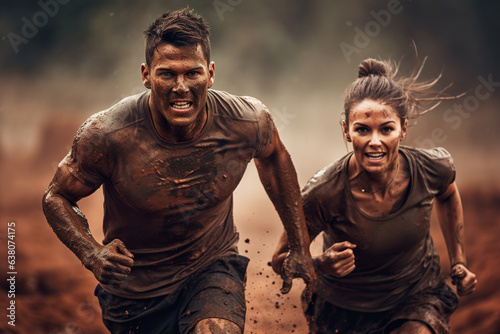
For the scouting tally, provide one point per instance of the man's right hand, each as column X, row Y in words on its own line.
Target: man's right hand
column 296, row 265
column 111, row 263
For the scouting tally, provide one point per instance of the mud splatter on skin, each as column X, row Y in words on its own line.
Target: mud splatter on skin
column 376, row 128
column 217, row 326
column 174, row 84
column 282, row 187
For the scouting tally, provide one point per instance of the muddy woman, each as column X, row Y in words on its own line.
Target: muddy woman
column 169, row 160
column 380, row 272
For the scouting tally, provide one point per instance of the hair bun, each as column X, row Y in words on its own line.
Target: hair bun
column 373, row 67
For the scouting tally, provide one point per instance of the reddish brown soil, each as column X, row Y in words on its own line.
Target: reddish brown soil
column 54, row 293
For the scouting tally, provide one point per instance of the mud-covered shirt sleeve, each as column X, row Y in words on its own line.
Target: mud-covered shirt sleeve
column 314, row 206
column 265, row 123
column 87, row 159
column 439, row 168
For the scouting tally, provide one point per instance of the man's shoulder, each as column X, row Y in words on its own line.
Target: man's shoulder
column 238, row 107
column 128, row 111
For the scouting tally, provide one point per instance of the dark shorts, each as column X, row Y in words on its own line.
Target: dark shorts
column 432, row 307
column 216, row 291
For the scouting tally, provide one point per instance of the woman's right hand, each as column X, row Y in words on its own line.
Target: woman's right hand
column 337, row 261
column 464, row 279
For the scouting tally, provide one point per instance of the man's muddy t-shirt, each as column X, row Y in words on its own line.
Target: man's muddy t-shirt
column 395, row 255
column 170, row 203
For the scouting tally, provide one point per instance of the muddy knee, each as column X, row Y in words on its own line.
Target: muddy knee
column 216, row 326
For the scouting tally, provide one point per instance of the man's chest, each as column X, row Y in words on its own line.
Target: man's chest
column 153, row 178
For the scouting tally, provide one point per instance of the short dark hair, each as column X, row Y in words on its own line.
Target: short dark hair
column 179, row 28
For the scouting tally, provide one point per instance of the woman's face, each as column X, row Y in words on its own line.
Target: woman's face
column 375, row 132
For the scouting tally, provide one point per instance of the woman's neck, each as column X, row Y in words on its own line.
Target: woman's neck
column 374, row 182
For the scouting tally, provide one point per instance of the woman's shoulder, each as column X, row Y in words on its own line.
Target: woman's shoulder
column 436, row 153
column 435, row 165
column 430, row 159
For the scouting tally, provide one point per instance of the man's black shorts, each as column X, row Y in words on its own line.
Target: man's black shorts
column 216, row 291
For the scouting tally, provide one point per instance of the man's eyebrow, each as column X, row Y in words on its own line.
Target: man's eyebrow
column 168, row 69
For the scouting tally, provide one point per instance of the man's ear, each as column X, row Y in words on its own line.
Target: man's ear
column 211, row 73
column 345, row 128
column 145, row 76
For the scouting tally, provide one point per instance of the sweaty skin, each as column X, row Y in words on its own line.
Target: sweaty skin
column 179, row 78
column 450, row 214
column 374, row 129
column 282, row 187
column 110, row 263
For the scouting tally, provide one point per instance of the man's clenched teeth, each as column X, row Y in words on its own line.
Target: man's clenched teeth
column 181, row 105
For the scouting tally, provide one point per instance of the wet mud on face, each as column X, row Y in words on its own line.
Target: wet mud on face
column 54, row 292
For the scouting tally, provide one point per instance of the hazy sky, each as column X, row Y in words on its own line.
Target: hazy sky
column 62, row 58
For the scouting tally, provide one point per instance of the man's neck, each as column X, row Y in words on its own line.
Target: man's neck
column 178, row 134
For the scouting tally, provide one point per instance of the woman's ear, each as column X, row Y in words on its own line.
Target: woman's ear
column 404, row 128
column 345, row 128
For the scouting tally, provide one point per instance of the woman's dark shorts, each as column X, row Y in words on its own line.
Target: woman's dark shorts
column 432, row 307
column 216, row 291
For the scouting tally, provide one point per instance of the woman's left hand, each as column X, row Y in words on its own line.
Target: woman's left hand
column 464, row 279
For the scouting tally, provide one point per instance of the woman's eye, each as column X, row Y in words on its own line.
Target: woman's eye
column 361, row 130
column 387, row 130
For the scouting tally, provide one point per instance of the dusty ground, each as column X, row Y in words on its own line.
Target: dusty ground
column 54, row 293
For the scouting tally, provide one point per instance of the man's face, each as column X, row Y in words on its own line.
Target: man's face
column 179, row 78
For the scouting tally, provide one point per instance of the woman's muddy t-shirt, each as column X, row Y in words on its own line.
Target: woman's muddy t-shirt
column 170, row 203
column 395, row 255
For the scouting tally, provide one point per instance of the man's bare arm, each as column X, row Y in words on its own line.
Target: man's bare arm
column 279, row 178
column 111, row 263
